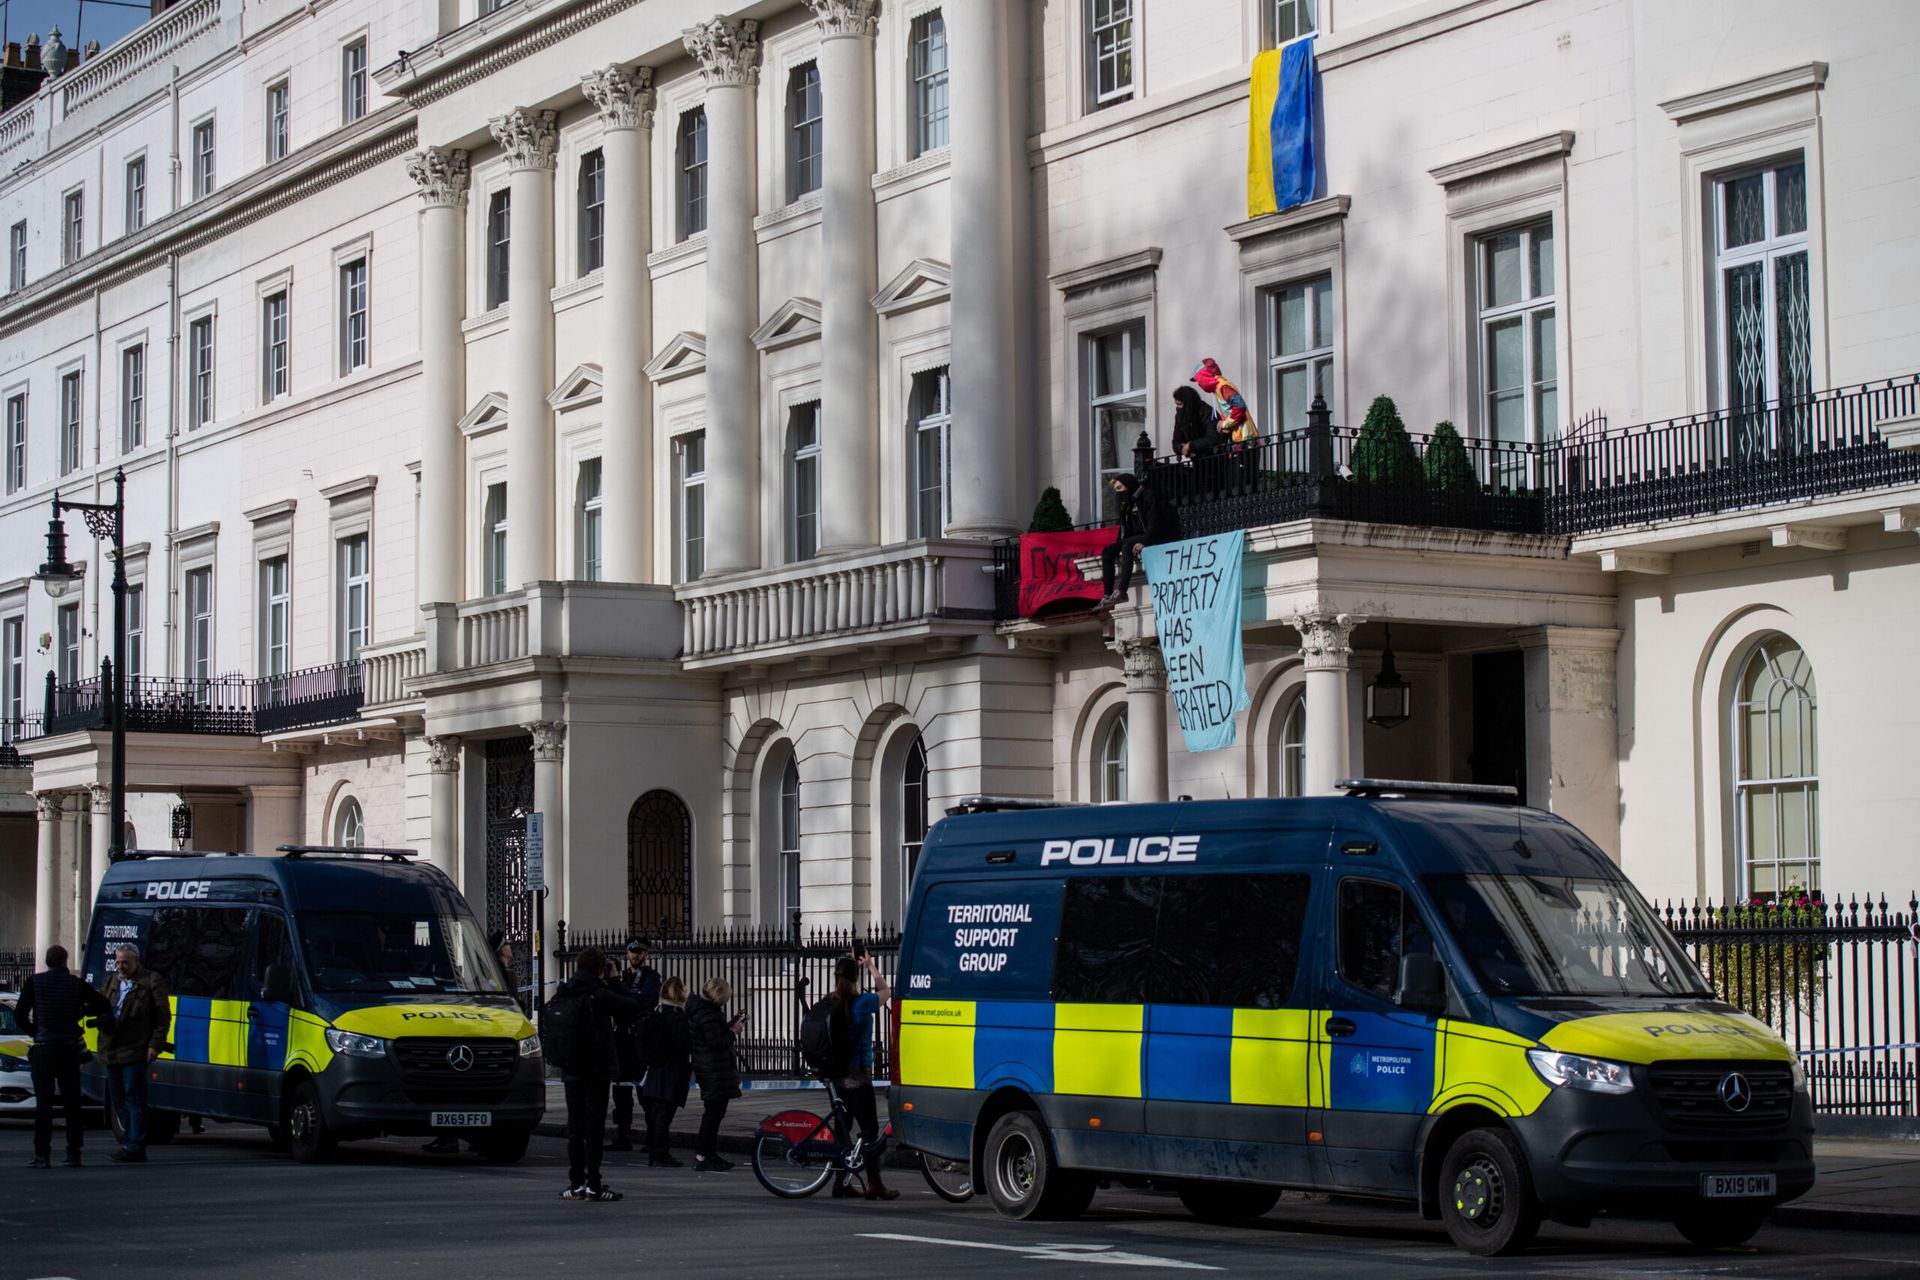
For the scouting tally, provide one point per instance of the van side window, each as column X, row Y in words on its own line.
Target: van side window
column 1377, row 926
column 271, row 946
column 1230, row 940
column 200, row 951
column 1106, row 940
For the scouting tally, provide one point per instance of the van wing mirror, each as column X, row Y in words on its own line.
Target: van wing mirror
column 277, row 986
column 1423, row 983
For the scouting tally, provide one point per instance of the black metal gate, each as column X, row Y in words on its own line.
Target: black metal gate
column 660, row 866
column 509, row 801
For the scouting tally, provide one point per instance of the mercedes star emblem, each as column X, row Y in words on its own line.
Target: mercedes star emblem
column 1735, row 1092
column 460, row 1058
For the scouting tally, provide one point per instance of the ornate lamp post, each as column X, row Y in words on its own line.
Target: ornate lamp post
column 59, row 576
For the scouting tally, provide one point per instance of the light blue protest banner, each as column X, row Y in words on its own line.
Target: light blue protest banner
column 1196, row 608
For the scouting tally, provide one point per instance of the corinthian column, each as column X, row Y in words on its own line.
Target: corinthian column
column 728, row 53
column 528, row 138
column 550, row 801
column 984, row 298
column 46, row 882
column 849, row 455
column 442, row 176
column 1146, row 674
column 1328, row 657
column 625, row 100
column 443, row 804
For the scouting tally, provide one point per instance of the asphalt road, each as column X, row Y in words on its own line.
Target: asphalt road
column 227, row 1205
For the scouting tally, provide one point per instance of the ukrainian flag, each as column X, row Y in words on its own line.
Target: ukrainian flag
column 1282, row 169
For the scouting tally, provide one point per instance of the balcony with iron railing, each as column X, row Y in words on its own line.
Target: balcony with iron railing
column 232, row 706
column 1752, row 459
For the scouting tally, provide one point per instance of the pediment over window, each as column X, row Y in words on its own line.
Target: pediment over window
column 489, row 413
column 685, row 354
column 923, row 283
column 797, row 320
column 578, row 389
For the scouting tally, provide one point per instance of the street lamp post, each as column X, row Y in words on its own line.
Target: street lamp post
column 59, row 576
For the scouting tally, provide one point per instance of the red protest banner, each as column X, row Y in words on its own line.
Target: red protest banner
column 1049, row 578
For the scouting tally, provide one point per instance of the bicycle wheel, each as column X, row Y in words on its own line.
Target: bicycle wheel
column 786, row 1169
column 950, row 1179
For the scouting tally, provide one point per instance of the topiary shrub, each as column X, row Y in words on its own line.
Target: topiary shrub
column 1448, row 468
column 1383, row 455
column 1050, row 514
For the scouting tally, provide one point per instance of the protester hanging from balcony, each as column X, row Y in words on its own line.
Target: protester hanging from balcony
column 1146, row 519
column 1236, row 420
column 1198, row 439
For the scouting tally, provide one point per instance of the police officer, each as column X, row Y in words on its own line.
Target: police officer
column 51, row 1006
column 641, row 981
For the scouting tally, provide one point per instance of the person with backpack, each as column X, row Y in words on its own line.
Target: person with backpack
column 641, row 981
column 710, row 1036
column 666, row 1052
column 851, row 1060
column 578, row 1028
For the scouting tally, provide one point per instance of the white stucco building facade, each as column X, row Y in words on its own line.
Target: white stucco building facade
column 617, row 410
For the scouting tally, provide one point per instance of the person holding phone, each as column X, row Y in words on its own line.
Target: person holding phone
column 711, row 1035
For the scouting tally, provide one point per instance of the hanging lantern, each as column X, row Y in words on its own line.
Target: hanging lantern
column 1389, row 698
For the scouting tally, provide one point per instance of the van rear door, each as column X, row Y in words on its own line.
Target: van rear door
column 1379, row 1057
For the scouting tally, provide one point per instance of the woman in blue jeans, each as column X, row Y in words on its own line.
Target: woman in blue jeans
column 856, row 1087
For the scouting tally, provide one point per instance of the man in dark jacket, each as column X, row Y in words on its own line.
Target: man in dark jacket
column 1146, row 520
column 51, row 1006
column 641, row 981
column 602, row 1015
column 142, row 1017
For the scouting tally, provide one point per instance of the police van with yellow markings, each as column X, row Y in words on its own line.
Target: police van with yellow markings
column 1411, row 991
column 328, row 994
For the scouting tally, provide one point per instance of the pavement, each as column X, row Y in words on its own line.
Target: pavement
column 225, row 1204
column 1864, row 1184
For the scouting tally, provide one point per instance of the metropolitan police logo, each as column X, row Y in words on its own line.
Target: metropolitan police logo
column 460, row 1058
column 1735, row 1093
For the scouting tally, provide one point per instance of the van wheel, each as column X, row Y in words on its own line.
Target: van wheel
column 1719, row 1226
column 308, row 1140
column 1486, row 1198
column 1228, row 1202
column 1022, row 1178
column 504, row 1144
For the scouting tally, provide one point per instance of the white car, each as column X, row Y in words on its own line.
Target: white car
column 16, row 1086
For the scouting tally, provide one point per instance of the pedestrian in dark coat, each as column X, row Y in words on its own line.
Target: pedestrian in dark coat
column 1146, row 520
column 710, row 1035
column 52, row 1004
column 668, row 1051
column 588, row 1068
column 641, row 981
column 142, row 1017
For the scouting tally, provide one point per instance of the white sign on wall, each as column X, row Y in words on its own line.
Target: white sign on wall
column 536, row 852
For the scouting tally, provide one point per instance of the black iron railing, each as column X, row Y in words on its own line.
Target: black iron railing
column 764, row 968
column 308, row 698
column 15, row 968
column 13, row 731
column 1787, row 450
column 1840, row 982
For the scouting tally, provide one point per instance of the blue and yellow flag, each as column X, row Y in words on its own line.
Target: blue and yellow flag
column 1282, row 169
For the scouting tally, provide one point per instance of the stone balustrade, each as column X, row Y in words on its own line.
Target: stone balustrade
column 386, row 668
column 847, row 596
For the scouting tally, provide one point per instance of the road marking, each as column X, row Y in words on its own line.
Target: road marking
column 1052, row 1252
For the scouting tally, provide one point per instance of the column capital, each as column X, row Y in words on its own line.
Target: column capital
column 529, row 138
column 47, row 804
column 443, row 754
column 1324, row 639
column 549, row 740
column 1141, row 663
column 100, row 799
column 728, row 52
column 441, row 173
column 624, row 98
column 843, row 17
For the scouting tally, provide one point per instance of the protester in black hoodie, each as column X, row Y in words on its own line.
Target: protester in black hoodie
column 1145, row 520
column 594, row 1010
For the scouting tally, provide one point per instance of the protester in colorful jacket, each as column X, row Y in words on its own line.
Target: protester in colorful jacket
column 1236, row 420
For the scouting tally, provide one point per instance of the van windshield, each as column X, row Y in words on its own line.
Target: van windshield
column 397, row 951
column 1562, row 936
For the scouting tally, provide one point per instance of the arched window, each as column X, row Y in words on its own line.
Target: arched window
column 129, row 838
column 1110, row 773
column 1293, row 749
column 349, row 826
column 1776, row 770
column 913, row 816
column 790, row 841
column 659, row 866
